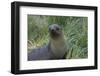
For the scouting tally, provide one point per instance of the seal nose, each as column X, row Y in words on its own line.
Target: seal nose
column 52, row 30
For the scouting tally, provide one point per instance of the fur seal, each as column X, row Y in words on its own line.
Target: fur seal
column 57, row 41
column 56, row 48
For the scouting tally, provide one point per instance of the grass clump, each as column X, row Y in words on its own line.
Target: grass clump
column 75, row 32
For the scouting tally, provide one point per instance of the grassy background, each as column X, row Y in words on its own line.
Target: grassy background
column 74, row 28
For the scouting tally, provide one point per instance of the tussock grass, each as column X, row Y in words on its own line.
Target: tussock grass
column 74, row 28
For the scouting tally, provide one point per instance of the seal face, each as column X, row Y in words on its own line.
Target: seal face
column 55, row 30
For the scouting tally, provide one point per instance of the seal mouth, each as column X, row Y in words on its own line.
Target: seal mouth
column 54, row 34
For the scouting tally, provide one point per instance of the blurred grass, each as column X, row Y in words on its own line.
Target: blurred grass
column 74, row 28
